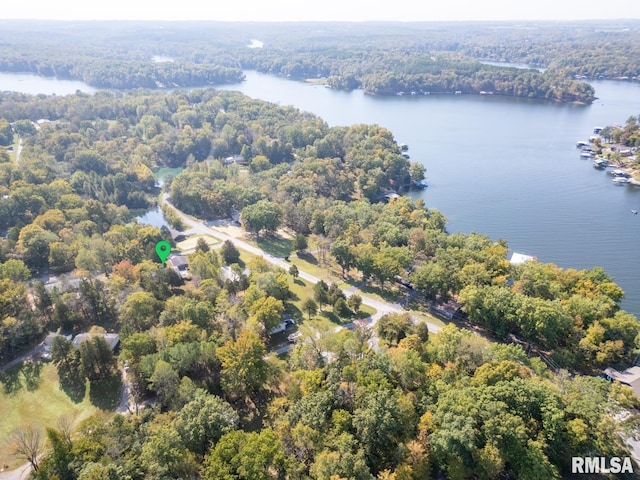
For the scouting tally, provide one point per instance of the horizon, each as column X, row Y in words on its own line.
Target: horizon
column 290, row 11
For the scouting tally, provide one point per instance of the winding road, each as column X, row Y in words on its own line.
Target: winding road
column 198, row 227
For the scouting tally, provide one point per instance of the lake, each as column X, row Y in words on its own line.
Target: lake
column 506, row 167
column 154, row 216
column 34, row 84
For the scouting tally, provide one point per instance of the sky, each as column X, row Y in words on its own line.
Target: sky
column 324, row 10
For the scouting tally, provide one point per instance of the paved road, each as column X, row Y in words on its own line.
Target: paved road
column 20, row 473
column 31, row 354
column 124, row 403
column 198, row 227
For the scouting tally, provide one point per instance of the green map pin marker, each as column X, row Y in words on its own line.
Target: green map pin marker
column 163, row 249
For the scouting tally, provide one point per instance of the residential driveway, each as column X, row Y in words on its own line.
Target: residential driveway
column 19, row 473
column 125, row 394
column 30, row 355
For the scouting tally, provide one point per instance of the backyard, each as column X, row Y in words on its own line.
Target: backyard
column 30, row 393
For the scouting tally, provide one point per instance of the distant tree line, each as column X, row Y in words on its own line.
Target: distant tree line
column 384, row 60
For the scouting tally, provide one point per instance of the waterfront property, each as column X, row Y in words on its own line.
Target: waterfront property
column 630, row 377
column 600, row 163
column 518, row 258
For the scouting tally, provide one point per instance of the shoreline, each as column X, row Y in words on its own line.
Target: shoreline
column 617, row 157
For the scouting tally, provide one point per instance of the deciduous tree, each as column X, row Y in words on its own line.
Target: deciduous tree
column 244, row 371
column 27, row 442
column 262, row 215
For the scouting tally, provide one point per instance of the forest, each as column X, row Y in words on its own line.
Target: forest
column 382, row 59
column 210, row 402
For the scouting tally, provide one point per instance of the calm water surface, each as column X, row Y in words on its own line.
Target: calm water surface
column 34, row 85
column 505, row 167
column 501, row 166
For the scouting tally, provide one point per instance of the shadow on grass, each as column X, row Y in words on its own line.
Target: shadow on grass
column 106, row 394
column 294, row 312
column 307, row 257
column 389, row 294
column 31, row 373
column 332, row 317
column 275, row 245
column 76, row 389
column 293, row 297
column 24, row 375
column 11, row 381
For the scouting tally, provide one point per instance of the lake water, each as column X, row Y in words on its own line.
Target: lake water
column 506, row 167
column 502, row 166
column 34, row 85
column 153, row 217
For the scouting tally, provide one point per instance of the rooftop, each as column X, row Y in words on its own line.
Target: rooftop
column 518, row 258
column 630, row 377
column 112, row 339
column 178, row 261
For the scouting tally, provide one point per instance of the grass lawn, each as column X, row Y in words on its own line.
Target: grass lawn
column 309, row 263
column 427, row 317
column 366, row 311
column 275, row 245
column 303, row 289
column 31, row 394
column 389, row 294
column 246, row 257
column 189, row 245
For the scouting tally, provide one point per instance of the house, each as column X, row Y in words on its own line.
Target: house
column 228, row 273
column 48, row 342
column 389, row 194
column 630, row 377
column 112, row 339
column 180, row 264
column 282, row 326
column 518, row 258
column 235, row 160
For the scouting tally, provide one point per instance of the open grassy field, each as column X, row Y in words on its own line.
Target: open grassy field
column 31, row 393
column 189, row 245
column 427, row 317
column 303, row 289
column 309, row 263
column 275, row 245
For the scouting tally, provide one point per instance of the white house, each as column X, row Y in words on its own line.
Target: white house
column 518, row 258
